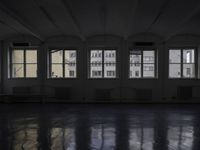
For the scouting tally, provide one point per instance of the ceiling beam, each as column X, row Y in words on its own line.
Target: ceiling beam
column 185, row 20
column 73, row 18
column 6, row 12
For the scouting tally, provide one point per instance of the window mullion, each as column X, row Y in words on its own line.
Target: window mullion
column 50, row 62
column 11, row 62
column 181, row 63
column 142, row 64
column 63, row 63
column 24, row 65
column 155, row 63
column 102, row 63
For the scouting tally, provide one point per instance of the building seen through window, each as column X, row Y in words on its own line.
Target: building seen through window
column 102, row 64
column 181, row 63
column 23, row 63
column 62, row 64
column 142, row 64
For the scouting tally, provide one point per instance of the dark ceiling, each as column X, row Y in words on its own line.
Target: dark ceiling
column 83, row 18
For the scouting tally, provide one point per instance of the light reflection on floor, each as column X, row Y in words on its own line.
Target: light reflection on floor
column 99, row 127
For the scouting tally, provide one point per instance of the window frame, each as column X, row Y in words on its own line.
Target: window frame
column 142, row 49
column 10, row 61
column 49, row 64
column 181, row 48
column 103, row 49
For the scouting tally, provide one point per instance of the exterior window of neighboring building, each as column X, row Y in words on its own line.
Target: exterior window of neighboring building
column 102, row 64
column 142, row 64
column 23, row 63
column 62, row 63
column 182, row 63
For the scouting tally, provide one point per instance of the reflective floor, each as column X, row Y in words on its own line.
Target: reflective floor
column 99, row 127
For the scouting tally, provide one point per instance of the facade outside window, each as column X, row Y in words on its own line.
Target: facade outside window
column 102, row 64
column 142, row 63
column 182, row 63
column 23, row 63
column 62, row 63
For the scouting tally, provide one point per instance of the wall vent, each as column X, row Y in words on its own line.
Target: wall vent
column 144, row 43
column 20, row 44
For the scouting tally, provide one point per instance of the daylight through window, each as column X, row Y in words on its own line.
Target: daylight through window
column 23, row 63
column 62, row 64
column 102, row 64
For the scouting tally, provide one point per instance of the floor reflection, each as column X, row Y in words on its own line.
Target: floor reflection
column 98, row 127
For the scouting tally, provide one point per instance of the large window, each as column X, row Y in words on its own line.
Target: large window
column 62, row 63
column 102, row 64
column 142, row 64
column 23, row 63
column 181, row 63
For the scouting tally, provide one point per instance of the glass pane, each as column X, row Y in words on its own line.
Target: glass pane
column 57, row 71
column 17, row 56
column 188, row 70
column 110, row 56
column 95, row 56
column 188, row 56
column 135, row 71
column 56, row 56
column 148, row 70
column 148, row 56
column 96, row 63
column 17, row 70
column 174, row 56
column 96, row 70
column 109, row 70
column 70, row 56
column 174, row 70
column 135, row 56
column 70, row 70
column 31, row 56
column 31, row 70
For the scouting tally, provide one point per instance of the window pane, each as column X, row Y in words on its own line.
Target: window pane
column 95, row 56
column 110, row 56
column 96, row 63
column 31, row 70
column 31, row 56
column 110, row 70
column 174, row 70
column 148, row 56
column 188, row 56
column 174, row 56
column 17, row 70
column 56, row 56
column 148, row 70
column 70, row 56
column 70, row 70
column 110, row 63
column 17, row 56
column 96, row 71
column 57, row 71
column 135, row 71
column 135, row 56
column 188, row 70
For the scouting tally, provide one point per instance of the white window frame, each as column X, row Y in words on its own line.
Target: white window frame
column 24, row 49
column 103, row 73
column 142, row 64
column 63, row 63
column 182, row 63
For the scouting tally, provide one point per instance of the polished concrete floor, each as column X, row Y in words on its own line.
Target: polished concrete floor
column 99, row 127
